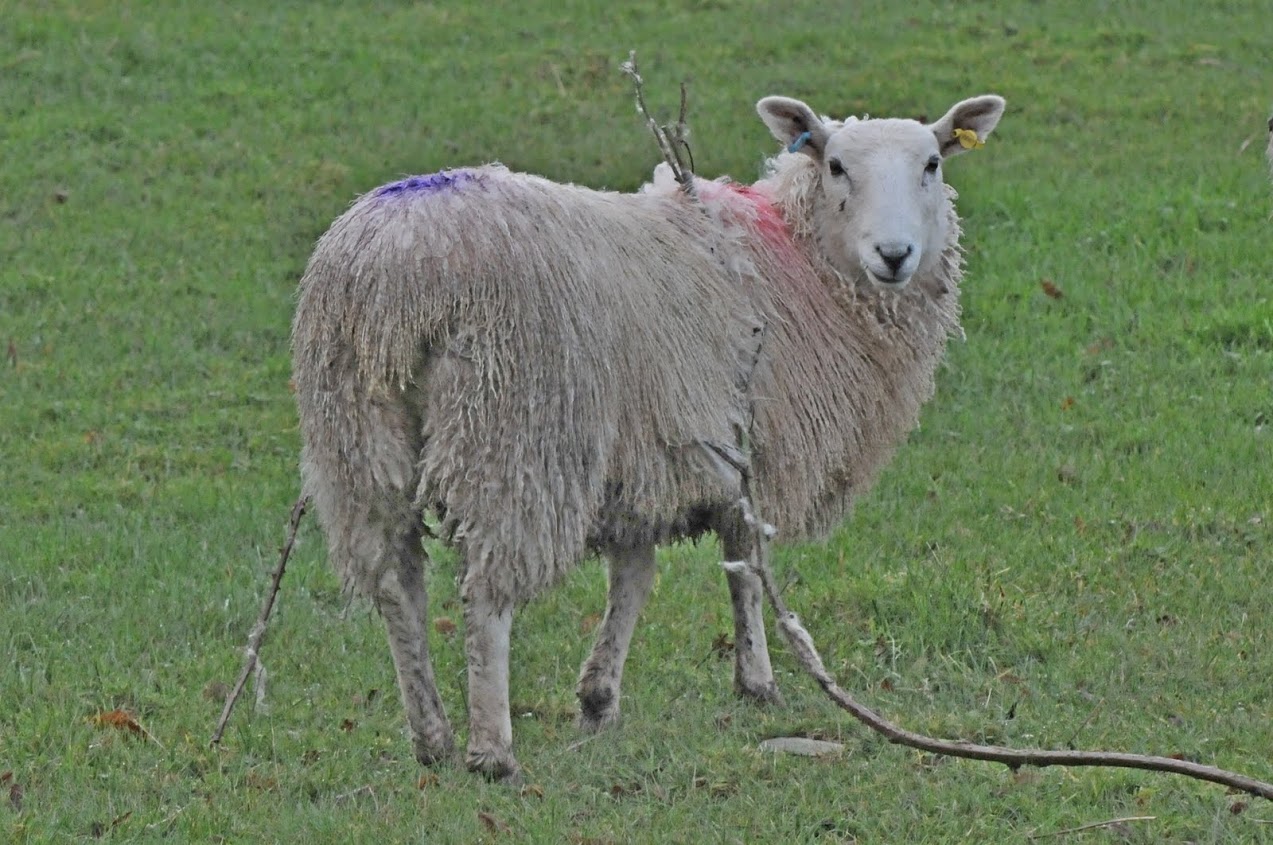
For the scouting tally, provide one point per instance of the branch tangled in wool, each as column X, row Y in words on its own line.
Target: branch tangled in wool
column 671, row 138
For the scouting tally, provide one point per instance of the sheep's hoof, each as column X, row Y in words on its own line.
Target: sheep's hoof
column 598, row 709
column 766, row 694
column 590, row 722
column 495, row 766
column 432, row 753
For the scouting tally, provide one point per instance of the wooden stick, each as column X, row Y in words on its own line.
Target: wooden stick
column 258, row 630
column 807, row 654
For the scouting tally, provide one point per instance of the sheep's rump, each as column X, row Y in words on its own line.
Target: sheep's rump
column 540, row 365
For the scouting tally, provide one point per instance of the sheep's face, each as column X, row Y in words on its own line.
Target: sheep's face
column 882, row 211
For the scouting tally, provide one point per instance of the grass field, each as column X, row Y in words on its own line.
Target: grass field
column 1075, row 547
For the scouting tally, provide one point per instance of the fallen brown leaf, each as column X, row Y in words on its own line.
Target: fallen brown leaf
column 426, row 780
column 1050, row 288
column 1067, row 403
column 98, row 829
column 1104, row 344
column 256, row 780
column 124, row 721
column 493, row 823
column 532, row 790
column 444, row 626
column 619, row 790
column 117, row 719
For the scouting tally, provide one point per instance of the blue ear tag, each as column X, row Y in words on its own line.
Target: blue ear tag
column 794, row 146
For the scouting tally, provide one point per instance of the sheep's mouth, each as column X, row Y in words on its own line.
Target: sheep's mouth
column 890, row 282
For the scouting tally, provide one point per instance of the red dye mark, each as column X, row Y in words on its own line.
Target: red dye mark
column 778, row 255
column 763, row 217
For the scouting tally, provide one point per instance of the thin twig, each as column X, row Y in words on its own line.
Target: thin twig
column 258, row 630
column 354, row 793
column 680, row 134
column 169, row 819
column 1093, row 826
column 575, row 746
column 1069, row 743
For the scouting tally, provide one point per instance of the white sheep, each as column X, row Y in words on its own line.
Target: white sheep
column 551, row 371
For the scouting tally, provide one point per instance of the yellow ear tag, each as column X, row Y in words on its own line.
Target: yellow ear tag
column 968, row 139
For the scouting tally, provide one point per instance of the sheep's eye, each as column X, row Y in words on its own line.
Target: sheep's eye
column 933, row 164
column 835, row 167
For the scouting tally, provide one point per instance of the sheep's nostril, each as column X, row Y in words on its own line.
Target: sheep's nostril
column 894, row 254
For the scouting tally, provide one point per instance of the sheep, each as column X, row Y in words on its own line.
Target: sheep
column 554, row 371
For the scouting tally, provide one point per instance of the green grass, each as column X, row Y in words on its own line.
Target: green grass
column 1074, row 548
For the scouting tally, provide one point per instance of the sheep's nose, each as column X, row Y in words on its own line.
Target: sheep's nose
column 894, row 253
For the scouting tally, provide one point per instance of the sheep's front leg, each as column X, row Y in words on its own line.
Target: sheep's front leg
column 487, row 629
column 753, row 673
column 402, row 599
column 631, row 576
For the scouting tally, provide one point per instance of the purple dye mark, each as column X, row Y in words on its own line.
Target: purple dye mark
column 431, row 184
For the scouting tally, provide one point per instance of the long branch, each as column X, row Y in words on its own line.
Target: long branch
column 802, row 645
column 258, row 630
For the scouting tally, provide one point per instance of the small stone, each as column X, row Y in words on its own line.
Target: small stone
column 801, row 746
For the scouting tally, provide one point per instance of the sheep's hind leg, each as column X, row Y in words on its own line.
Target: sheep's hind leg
column 402, row 599
column 487, row 629
column 753, row 673
column 631, row 576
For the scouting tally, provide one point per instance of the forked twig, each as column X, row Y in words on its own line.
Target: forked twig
column 671, row 139
column 258, row 630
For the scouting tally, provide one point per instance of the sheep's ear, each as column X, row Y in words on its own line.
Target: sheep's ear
column 790, row 120
column 967, row 124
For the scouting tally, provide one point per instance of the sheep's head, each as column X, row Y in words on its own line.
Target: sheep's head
column 881, row 210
